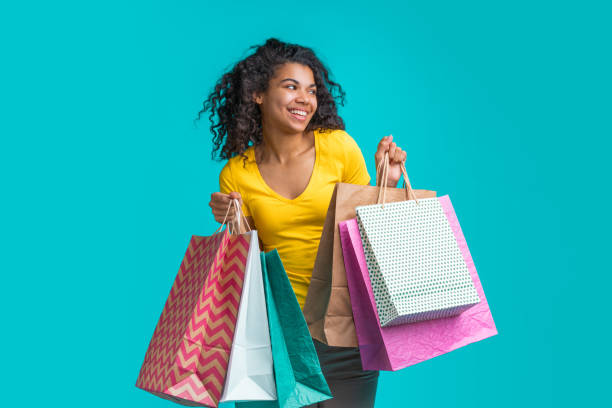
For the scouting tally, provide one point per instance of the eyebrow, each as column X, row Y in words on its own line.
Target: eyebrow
column 297, row 82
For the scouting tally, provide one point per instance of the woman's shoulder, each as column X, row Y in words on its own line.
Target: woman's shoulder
column 240, row 160
column 343, row 154
column 334, row 135
column 237, row 167
column 337, row 141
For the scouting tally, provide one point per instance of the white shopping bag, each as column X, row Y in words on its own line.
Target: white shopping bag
column 414, row 261
column 250, row 373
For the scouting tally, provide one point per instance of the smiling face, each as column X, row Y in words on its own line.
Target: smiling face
column 290, row 101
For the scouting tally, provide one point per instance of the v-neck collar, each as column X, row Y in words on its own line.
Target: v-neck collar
column 310, row 182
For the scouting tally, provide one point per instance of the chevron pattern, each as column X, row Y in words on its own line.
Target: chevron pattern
column 188, row 355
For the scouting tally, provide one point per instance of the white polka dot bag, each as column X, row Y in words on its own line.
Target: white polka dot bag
column 416, row 267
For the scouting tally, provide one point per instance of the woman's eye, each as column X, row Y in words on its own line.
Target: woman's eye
column 292, row 87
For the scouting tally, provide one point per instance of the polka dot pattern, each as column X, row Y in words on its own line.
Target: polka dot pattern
column 416, row 268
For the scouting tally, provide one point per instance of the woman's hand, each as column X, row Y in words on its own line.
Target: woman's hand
column 219, row 203
column 396, row 157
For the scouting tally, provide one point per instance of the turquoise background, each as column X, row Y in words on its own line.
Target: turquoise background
column 503, row 105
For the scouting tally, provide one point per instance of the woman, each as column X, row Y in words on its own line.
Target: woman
column 274, row 117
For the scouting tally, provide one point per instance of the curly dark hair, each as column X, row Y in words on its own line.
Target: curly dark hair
column 236, row 119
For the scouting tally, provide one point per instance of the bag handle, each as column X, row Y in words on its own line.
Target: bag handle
column 234, row 225
column 382, row 181
column 239, row 218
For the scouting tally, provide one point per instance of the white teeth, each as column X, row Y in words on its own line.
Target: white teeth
column 297, row 112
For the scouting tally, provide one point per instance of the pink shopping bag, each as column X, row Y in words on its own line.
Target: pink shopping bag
column 395, row 347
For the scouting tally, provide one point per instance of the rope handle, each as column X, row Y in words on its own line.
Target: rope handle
column 382, row 181
column 235, row 224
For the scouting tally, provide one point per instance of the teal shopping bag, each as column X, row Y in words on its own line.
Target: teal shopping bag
column 299, row 380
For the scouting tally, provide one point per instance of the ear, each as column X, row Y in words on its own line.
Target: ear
column 257, row 98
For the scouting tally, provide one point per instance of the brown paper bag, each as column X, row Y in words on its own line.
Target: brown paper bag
column 328, row 309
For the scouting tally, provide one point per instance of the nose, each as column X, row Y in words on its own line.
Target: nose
column 302, row 97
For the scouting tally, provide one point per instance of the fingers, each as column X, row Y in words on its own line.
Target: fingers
column 236, row 196
column 223, row 200
column 219, row 203
column 386, row 145
column 383, row 147
column 398, row 156
column 219, row 200
column 392, row 151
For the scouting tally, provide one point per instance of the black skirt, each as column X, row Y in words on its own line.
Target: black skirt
column 350, row 384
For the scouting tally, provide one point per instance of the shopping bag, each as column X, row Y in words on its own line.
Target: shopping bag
column 395, row 347
column 299, row 379
column 415, row 264
column 250, row 374
column 188, row 355
column 328, row 308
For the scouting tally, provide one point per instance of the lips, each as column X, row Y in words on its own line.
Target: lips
column 296, row 115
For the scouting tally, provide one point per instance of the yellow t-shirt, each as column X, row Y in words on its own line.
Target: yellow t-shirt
column 294, row 227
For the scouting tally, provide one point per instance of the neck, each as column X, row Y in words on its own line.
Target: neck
column 281, row 146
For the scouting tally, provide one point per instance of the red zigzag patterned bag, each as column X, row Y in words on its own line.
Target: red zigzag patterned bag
column 188, row 355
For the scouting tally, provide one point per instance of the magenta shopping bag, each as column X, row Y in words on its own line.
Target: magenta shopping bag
column 395, row 347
